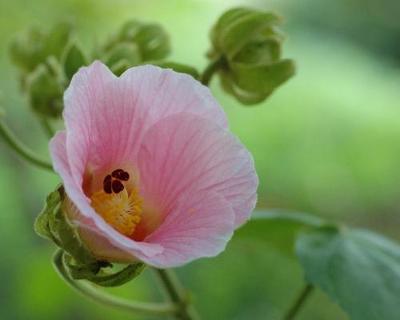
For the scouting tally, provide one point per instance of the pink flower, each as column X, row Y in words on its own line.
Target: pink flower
column 149, row 167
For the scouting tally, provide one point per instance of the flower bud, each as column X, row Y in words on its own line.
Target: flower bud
column 45, row 92
column 134, row 44
column 247, row 46
column 34, row 46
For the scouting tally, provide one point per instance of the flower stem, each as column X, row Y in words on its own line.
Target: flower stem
column 210, row 70
column 178, row 295
column 161, row 309
column 299, row 302
column 21, row 149
column 47, row 128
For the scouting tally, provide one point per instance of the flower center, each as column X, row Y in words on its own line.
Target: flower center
column 118, row 203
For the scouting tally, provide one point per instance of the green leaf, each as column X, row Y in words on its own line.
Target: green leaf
column 277, row 228
column 179, row 67
column 45, row 92
column 358, row 269
column 73, row 59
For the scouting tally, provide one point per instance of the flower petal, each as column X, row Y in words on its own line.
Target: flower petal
column 106, row 117
column 188, row 155
column 92, row 225
column 200, row 226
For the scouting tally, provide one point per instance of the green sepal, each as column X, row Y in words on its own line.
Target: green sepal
column 26, row 49
column 239, row 26
column 57, row 39
column 101, row 277
column 42, row 224
column 52, row 223
column 151, row 40
column 358, row 269
column 73, row 58
column 249, row 44
column 246, row 98
column 32, row 47
column 128, row 52
column 262, row 78
column 179, row 67
column 45, row 92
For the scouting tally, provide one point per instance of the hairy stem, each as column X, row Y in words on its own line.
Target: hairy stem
column 178, row 295
column 21, row 149
column 299, row 302
column 161, row 309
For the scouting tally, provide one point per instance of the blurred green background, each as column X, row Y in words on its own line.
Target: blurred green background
column 327, row 142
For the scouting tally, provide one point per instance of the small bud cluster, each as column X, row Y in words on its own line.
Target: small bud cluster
column 247, row 47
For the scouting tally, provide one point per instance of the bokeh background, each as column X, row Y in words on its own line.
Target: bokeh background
column 327, row 142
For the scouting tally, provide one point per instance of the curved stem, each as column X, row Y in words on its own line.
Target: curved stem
column 210, row 70
column 177, row 294
column 21, row 149
column 106, row 299
column 47, row 128
column 299, row 302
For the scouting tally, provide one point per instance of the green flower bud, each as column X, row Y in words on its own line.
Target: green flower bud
column 45, row 92
column 73, row 58
column 53, row 224
column 134, row 44
column 34, row 46
column 247, row 48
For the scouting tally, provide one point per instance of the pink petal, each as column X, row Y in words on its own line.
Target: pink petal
column 185, row 155
column 106, row 117
column 200, row 226
column 92, row 225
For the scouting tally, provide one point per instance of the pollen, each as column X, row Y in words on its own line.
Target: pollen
column 121, row 210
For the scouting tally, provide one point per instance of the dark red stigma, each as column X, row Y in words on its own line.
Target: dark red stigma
column 117, row 186
column 107, row 184
column 120, row 174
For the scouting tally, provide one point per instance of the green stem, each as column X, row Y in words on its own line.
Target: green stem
column 299, row 302
column 177, row 294
column 160, row 309
column 21, row 149
column 47, row 128
column 210, row 70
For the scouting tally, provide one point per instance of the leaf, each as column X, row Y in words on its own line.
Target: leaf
column 277, row 228
column 358, row 269
column 73, row 59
